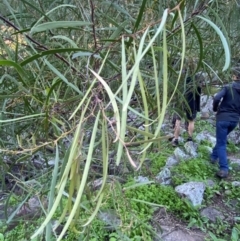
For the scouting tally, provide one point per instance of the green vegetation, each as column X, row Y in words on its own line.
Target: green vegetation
column 85, row 88
column 196, row 169
column 135, row 205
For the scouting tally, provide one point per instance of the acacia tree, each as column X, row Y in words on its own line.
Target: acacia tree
column 74, row 71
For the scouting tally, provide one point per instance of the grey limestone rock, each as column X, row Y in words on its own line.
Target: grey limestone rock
column 236, row 184
column 212, row 214
column 181, row 235
column 193, row 191
column 206, row 103
column 171, row 161
column 164, row 177
column 110, row 218
column 141, row 179
column 234, row 136
column 191, row 148
column 180, row 154
column 234, row 161
column 205, row 136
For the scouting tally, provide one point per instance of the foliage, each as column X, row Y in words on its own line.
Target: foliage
column 204, row 125
column 195, row 169
column 153, row 164
column 232, row 148
column 71, row 75
column 144, row 196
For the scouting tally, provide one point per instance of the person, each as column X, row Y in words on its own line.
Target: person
column 191, row 107
column 227, row 105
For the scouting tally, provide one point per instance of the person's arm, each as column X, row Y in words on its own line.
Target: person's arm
column 217, row 98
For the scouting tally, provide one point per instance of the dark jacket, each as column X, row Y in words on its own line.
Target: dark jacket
column 229, row 108
column 193, row 96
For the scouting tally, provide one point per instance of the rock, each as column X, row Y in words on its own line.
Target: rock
column 206, row 103
column 56, row 226
column 193, row 191
column 165, row 127
column 202, row 77
column 125, row 170
column 164, row 177
column 236, row 184
column 38, row 160
column 34, row 203
column 235, row 162
column 51, row 162
column 205, row 136
column 110, row 218
column 27, row 211
column 234, row 136
column 234, row 203
column 212, row 214
column 131, row 116
column 141, row 179
column 228, row 192
column 180, row 155
column 191, row 148
column 208, row 149
column 148, row 162
column 205, row 115
column 181, row 235
column 171, row 161
column 210, row 183
column 111, row 178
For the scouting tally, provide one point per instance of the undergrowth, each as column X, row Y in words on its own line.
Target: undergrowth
column 133, row 205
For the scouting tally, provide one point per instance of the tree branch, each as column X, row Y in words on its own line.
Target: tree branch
column 40, row 46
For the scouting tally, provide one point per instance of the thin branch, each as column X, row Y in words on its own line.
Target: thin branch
column 40, row 46
column 93, row 25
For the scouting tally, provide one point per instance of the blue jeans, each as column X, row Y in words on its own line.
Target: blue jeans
column 223, row 128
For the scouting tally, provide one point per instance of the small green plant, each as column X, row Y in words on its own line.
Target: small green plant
column 214, row 238
column 157, row 161
column 1, row 237
column 204, row 151
column 192, row 170
column 232, row 148
column 143, row 198
column 203, row 125
column 235, row 234
column 211, row 192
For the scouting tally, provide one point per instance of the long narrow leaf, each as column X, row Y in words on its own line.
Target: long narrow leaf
column 113, row 102
column 160, row 28
column 52, row 189
column 140, row 15
column 22, row 118
column 52, row 10
column 58, row 24
column 62, row 77
column 63, row 181
column 223, row 39
column 124, row 112
column 200, row 46
column 105, row 149
column 84, row 179
column 19, row 69
column 48, row 52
